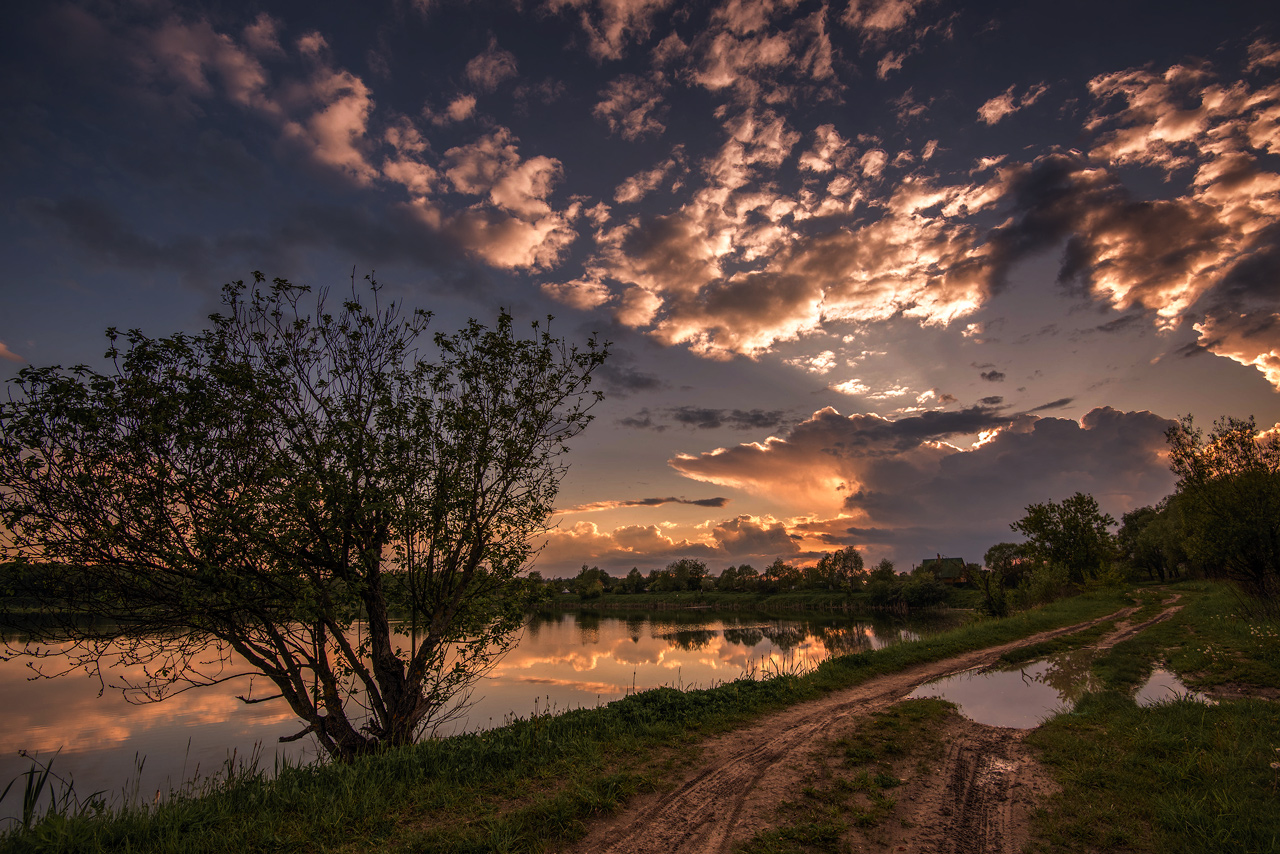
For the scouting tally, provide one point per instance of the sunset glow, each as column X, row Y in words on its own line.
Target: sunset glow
column 877, row 273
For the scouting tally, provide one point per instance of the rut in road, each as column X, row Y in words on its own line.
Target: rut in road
column 744, row 774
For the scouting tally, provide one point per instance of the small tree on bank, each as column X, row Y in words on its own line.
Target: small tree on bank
column 284, row 483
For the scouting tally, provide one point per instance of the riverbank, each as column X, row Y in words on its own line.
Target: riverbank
column 537, row 783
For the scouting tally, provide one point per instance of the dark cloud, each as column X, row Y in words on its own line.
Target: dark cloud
column 747, row 536
column 642, row 420
column 700, row 418
column 619, row 380
column 992, row 376
column 1255, row 277
column 737, row 419
column 92, row 227
column 596, row 506
column 656, row 502
column 994, row 400
column 1055, row 404
column 1124, row 323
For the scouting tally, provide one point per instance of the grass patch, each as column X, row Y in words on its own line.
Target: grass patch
column 1179, row 776
column 852, row 781
column 524, row 787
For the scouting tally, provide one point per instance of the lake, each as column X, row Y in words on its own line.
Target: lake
column 564, row 660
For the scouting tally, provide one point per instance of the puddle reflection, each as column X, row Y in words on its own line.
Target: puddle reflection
column 1163, row 686
column 1023, row 697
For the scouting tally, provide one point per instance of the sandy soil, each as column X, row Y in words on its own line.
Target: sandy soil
column 977, row 798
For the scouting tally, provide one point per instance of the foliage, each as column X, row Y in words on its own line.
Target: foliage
column 1044, row 584
column 1009, row 561
column 634, row 582
column 780, row 576
column 1072, row 534
column 687, row 573
column 272, row 480
column 592, row 582
column 1229, row 501
column 994, row 601
column 838, row 570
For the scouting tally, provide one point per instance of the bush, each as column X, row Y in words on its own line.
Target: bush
column 1044, row 584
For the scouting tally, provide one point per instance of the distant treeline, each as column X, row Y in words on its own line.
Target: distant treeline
column 838, row 572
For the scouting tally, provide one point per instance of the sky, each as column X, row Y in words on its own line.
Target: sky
column 877, row 273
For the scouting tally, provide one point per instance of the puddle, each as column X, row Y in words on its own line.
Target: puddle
column 1163, row 686
column 1023, row 697
column 1019, row 698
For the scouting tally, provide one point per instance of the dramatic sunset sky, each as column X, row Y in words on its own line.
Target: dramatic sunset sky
column 876, row 272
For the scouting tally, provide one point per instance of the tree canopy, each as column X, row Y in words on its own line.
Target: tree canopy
column 1071, row 533
column 1228, row 500
column 291, row 484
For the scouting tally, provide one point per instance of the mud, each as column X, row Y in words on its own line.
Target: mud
column 978, row 796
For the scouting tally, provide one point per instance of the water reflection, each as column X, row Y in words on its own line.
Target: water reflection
column 1023, row 697
column 563, row 661
column 1162, row 686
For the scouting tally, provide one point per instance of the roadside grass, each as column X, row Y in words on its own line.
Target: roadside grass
column 1179, row 776
column 526, row 786
column 850, row 784
column 1151, row 601
column 1211, row 641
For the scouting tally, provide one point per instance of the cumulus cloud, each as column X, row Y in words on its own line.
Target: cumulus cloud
column 1248, row 338
column 335, row 134
column 739, row 539
column 878, row 17
column 6, row 353
column 568, row 546
column 1006, row 103
column 643, row 183
column 747, row 535
column 632, row 106
column 612, row 25
column 867, row 477
column 489, row 69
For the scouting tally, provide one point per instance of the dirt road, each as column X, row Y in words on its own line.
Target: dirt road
column 977, row 798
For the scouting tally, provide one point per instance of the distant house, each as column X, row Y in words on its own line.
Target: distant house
column 948, row 570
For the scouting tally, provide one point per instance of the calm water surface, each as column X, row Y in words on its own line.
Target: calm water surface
column 563, row 661
column 1023, row 697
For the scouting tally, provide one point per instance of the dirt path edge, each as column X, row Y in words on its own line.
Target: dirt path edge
column 983, row 783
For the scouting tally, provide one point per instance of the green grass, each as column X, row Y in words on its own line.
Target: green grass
column 1180, row 776
column 851, row 780
column 524, row 787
